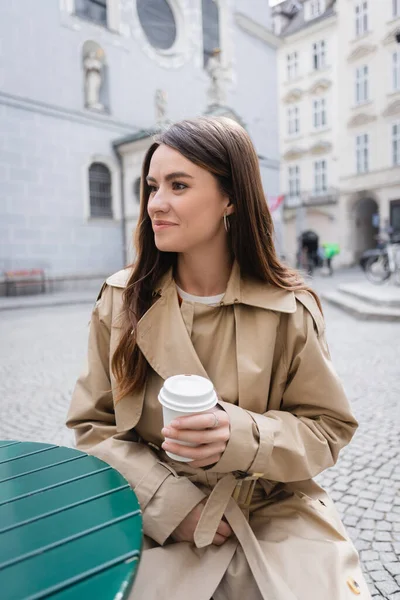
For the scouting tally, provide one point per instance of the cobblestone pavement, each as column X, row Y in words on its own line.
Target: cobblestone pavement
column 42, row 352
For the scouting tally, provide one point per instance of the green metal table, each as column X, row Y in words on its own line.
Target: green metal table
column 70, row 525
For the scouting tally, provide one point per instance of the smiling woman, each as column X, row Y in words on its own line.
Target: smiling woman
column 186, row 206
column 235, row 512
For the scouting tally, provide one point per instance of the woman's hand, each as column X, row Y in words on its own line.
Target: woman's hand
column 185, row 531
column 211, row 430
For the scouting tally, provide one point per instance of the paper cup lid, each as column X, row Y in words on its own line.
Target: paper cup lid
column 188, row 391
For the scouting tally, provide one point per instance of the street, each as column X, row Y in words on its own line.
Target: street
column 43, row 351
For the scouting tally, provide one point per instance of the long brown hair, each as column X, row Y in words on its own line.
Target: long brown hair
column 224, row 148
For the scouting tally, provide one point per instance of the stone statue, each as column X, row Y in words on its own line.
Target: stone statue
column 217, row 73
column 93, row 66
column 161, row 107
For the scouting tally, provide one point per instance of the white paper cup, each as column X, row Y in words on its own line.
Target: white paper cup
column 183, row 395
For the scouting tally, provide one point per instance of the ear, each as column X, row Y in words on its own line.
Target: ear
column 229, row 208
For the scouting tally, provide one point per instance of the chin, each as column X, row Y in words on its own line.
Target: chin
column 166, row 245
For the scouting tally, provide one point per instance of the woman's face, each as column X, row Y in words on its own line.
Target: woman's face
column 186, row 205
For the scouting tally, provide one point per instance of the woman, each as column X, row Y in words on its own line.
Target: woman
column 208, row 296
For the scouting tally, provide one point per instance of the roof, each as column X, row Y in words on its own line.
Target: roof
column 142, row 134
column 297, row 21
column 224, row 111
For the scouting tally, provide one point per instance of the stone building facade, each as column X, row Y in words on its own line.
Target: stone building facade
column 78, row 76
column 339, row 92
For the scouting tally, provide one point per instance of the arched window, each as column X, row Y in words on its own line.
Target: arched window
column 211, row 38
column 100, row 191
column 158, row 22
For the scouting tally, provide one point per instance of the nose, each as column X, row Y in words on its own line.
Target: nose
column 157, row 203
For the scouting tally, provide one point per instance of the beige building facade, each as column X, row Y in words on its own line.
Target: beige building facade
column 339, row 96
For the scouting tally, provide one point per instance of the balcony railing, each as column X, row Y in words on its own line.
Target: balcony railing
column 313, row 198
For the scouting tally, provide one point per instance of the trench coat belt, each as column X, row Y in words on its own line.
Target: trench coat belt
column 222, row 502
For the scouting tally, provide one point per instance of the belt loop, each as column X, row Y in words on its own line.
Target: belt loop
column 247, row 489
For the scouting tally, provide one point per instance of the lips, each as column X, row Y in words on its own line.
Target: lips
column 160, row 225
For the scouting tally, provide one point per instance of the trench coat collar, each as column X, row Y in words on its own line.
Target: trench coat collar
column 243, row 291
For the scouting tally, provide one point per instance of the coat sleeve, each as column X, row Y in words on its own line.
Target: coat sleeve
column 164, row 497
column 314, row 422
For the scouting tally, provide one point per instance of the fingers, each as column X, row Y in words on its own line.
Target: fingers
column 195, row 453
column 202, row 421
column 203, row 436
column 219, row 539
column 224, row 529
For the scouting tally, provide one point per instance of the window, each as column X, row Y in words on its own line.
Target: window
column 158, row 22
column 294, row 181
column 396, row 70
column 100, row 191
column 319, row 55
column 94, row 10
column 361, row 18
column 293, row 120
column 396, row 144
column 362, row 94
column 319, row 113
column 315, row 8
column 362, row 153
column 292, row 66
column 211, row 38
column 396, row 8
column 320, row 177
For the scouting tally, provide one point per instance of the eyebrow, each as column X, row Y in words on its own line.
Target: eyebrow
column 170, row 176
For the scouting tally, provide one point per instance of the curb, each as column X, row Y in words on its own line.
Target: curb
column 47, row 304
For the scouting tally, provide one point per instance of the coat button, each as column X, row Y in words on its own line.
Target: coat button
column 353, row 585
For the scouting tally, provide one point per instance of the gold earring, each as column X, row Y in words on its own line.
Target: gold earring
column 227, row 225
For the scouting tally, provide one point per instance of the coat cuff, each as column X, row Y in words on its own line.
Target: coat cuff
column 265, row 446
column 243, row 445
column 171, row 503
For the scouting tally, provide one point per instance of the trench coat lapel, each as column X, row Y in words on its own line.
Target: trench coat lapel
column 164, row 340
column 257, row 309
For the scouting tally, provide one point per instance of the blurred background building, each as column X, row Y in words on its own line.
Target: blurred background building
column 339, row 99
column 84, row 84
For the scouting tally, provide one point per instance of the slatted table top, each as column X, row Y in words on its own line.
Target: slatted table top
column 70, row 526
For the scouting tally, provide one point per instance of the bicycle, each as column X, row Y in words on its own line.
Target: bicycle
column 379, row 269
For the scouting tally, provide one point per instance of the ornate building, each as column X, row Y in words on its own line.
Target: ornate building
column 339, row 90
column 85, row 84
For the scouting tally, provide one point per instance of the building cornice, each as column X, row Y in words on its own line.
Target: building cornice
column 59, row 112
column 320, row 86
column 390, row 38
column 293, row 96
column 256, row 30
column 360, row 120
column 373, row 180
column 361, row 51
column 320, row 147
column 393, row 110
column 294, row 153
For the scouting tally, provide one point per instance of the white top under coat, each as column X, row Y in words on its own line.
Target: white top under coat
column 209, row 300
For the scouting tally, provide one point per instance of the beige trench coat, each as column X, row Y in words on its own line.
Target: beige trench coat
column 290, row 422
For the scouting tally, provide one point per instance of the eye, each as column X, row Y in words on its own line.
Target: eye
column 178, row 186
column 152, row 189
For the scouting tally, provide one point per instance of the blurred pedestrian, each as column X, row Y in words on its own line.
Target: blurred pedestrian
column 330, row 251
